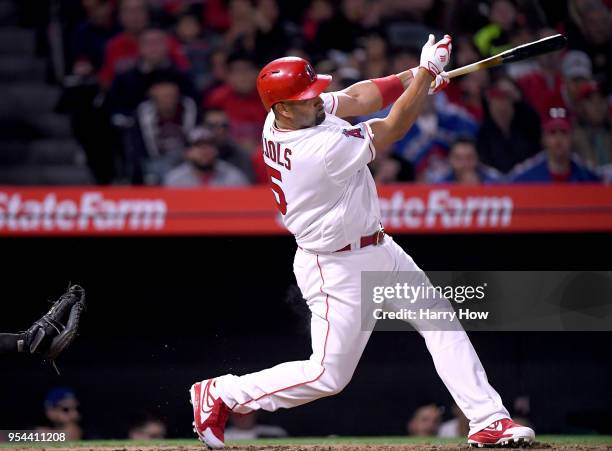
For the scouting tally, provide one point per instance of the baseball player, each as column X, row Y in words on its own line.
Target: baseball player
column 317, row 163
column 54, row 332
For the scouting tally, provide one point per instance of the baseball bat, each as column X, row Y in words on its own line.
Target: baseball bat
column 529, row 50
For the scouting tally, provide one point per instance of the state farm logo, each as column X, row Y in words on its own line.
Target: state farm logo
column 92, row 212
column 440, row 209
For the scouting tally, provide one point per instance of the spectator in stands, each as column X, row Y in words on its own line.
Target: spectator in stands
column 414, row 11
column 468, row 91
column 239, row 99
column 245, row 427
column 465, row 167
column 130, row 88
column 403, row 58
column 62, row 413
column 458, row 22
column 592, row 136
column 199, row 46
column 495, row 37
column 376, row 63
column 590, row 30
column 425, row 421
column 216, row 15
column 116, row 36
column 218, row 123
column 427, row 143
column 576, row 68
column 159, row 136
column 203, row 167
column 80, row 98
column 298, row 51
column 146, row 426
column 343, row 77
column 556, row 162
column 542, row 86
column 510, row 131
column 521, row 408
column 242, row 24
column 354, row 15
column 389, row 168
column 167, row 12
column 257, row 29
column 458, row 426
column 218, row 62
column 272, row 37
column 343, row 68
column 464, row 51
column 319, row 11
column 123, row 50
column 91, row 36
column 518, row 69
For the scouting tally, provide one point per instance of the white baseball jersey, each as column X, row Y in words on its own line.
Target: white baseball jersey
column 320, row 178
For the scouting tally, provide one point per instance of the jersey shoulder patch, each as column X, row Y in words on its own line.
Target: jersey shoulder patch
column 354, row 132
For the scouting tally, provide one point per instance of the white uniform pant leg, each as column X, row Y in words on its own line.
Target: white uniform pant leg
column 455, row 359
column 331, row 285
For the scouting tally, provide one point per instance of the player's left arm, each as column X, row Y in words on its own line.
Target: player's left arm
column 369, row 96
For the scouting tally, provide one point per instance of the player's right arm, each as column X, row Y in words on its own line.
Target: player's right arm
column 364, row 97
column 351, row 149
column 403, row 114
column 369, row 96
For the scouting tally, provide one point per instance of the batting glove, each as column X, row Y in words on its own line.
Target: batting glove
column 435, row 55
column 439, row 84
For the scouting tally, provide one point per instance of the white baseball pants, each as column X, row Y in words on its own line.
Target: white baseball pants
column 331, row 285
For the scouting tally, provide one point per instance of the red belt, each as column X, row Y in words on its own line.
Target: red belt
column 376, row 238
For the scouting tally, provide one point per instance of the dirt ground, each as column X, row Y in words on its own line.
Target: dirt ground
column 535, row 446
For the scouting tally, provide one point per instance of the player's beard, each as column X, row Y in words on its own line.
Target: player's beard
column 320, row 117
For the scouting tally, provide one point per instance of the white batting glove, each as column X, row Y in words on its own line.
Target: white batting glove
column 435, row 55
column 439, row 84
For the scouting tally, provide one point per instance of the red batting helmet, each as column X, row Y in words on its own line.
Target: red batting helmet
column 289, row 78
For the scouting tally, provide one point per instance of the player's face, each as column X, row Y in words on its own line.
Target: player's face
column 557, row 143
column 306, row 113
column 594, row 109
column 66, row 412
column 463, row 158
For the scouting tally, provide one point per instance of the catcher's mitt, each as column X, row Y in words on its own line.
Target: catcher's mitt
column 56, row 330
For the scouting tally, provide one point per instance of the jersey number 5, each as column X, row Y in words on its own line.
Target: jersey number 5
column 275, row 179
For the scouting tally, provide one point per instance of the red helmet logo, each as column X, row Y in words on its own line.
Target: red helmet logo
column 289, row 78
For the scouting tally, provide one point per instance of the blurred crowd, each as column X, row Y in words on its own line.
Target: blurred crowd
column 162, row 92
column 432, row 419
column 61, row 413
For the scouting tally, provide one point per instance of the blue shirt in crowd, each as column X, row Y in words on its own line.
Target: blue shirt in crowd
column 419, row 147
column 485, row 173
column 536, row 169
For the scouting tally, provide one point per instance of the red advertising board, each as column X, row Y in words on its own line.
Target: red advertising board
column 252, row 211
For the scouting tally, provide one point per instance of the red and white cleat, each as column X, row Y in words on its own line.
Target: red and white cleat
column 503, row 432
column 209, row 413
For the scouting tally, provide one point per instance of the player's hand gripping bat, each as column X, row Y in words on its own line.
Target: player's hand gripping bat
column 529, row 50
